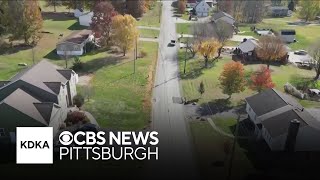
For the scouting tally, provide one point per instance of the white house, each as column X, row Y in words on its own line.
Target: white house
column 202, row 9
column 282, row 122
column 75, row 43
column 37, row 97
column 222, row 16
column 77, row 13
column 86, row 19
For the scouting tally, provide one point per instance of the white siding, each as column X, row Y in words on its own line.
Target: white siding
column 86, row 19
column 71, row 53
column 202, row 9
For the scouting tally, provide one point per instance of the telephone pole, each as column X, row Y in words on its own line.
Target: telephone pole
column 185, row 57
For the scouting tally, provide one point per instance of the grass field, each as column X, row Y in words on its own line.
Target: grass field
column 152, row 17
column 305, row 34
column 149, row 33
column 225, row 124
column 10, row 58
column 209, row 146
column 120, row 98
column 195, row 73
column 184, row 28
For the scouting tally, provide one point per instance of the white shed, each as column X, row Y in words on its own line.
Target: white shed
column 86, row 19
column 77, row 13
column 202, row 9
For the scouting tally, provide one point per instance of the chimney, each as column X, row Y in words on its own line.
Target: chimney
column 292, row 135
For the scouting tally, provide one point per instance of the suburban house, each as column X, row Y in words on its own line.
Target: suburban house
column 202, row 9
column 278, row 11
column 222, row 16
column 191, row 3
column 288, row 35
column 75, row 43
column 39, row 96
column 246, row 48
column 282, row 122
column 86, row 19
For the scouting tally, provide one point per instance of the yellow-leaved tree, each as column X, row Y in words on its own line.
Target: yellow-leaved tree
column 124, row 32
column 208, row 49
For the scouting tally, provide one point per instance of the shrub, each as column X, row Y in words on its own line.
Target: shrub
column 77, row 64
column 76, row 117
column 142, row 54
column 78, row 100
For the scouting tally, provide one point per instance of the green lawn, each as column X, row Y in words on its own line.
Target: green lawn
column 183, row 28
column 54, row 25
column 195, row 73
column 232, row 43
column 305, row 34
column 225, row 124
column 149, row 33
column 209, row 147
column 152, row 17
column 120, row 98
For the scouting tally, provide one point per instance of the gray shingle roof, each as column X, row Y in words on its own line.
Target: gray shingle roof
column 77, row 37
column 279, row 124
column 23, row 102
column 221, row 14
column 266, row 101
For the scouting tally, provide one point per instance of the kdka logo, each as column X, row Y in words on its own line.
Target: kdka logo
column 34, row 145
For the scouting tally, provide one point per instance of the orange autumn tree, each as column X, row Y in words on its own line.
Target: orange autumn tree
column 261, row 79
column 232, row 78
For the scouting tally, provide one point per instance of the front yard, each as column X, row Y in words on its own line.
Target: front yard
column 195, row 73
column 121, row 99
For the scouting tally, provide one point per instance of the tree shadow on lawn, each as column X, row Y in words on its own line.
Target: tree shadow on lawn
column 76, row 26
column 197, row 71
column 96, row 64
column 57, row 16
column 214, row 107
column 7, row 50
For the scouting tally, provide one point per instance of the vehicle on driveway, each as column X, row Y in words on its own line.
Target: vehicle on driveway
column 301, row 52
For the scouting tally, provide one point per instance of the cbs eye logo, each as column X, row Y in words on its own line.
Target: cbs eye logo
column 66, row 138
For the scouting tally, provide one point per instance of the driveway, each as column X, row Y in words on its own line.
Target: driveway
column 239, row 38
column 294, row 58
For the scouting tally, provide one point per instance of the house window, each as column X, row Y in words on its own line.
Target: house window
column 2, row 133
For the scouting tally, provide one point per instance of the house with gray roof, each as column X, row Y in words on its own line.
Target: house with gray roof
column 38, row 96
column 222, row 16
column 282, row 122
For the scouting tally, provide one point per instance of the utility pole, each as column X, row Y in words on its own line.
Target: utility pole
column 160, row 11
column 135, row 56
column 185, row 57
column 33, row 55
column 233, row 148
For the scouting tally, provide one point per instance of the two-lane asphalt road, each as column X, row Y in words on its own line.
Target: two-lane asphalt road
column 175, row 149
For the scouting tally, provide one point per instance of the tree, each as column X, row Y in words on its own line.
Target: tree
column 78, row 100
column 309, row 10
column 253, row 11
column 261, row 79
column 201, row 88
column 315, row 53
column 32, row 22
column 135, row 7
column 208, row 49
column 103, row 12
column 225, row 6
column 4, row 17
column 232, row 78
column 181, row 6
column 124, row 32
column 76, row 117
column 223, row 32
column 270, row 48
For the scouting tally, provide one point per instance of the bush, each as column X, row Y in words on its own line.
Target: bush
column 77, row 64
column 89, row 46
column 76, row 117
column 78, row 100
column 142, row 54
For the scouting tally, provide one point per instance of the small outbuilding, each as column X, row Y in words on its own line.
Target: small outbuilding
column 288, row 35
column 86, row 19
column 74, row 44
